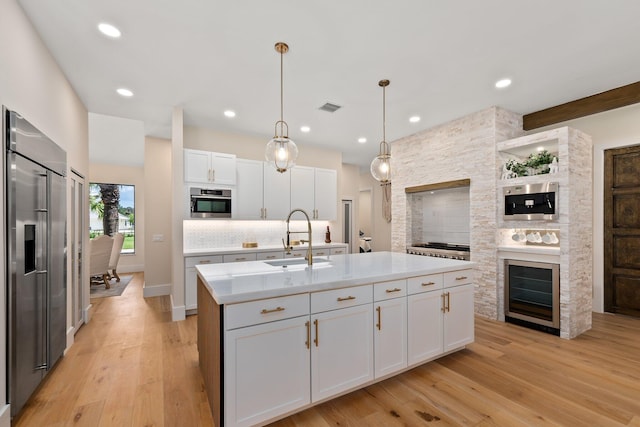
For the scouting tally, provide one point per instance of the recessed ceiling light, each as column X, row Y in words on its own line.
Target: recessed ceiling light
column 124, row 92
column 501, row 84
column 362, row 140
column 305, row 129
column 414, row 119
column 109, row 30
column 229, row 113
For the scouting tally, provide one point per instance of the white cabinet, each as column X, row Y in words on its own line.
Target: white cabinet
column 249, row 190
column 326, row 194
column 277, row 193
column 390, row 329
column 266, row 358
column 440, row 314
column 341, row 350
column 190, row 278
column 316, row 191
column 209, row 167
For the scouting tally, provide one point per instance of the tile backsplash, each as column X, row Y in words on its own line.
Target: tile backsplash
column 442, row 216
column 206, row 234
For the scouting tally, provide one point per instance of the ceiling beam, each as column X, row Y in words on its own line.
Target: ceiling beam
column 609, row 100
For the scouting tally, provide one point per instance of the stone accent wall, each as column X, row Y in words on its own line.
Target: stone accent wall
column 461, row 149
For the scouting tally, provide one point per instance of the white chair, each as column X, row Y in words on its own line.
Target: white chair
column 118, row 240
column 100, row 249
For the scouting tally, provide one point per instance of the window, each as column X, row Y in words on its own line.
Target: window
column 112, row 209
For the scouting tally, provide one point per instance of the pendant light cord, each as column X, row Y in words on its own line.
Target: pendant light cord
column 281, row 90
column 384, row 114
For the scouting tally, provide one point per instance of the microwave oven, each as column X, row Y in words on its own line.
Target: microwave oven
column 210, row 203
column 531, row 202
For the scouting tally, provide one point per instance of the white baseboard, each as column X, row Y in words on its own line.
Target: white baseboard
column 177, row 312
column 71, row 332
column 5, row 416
column 86, row 314
column 156, row 290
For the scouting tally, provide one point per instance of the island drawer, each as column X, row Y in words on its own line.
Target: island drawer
column 430, row 282
column 261, row 256
column 457, row 278
column 192, row 261
column 265, row 310
column 251, row 256
column 388, row 290
column 341, row 298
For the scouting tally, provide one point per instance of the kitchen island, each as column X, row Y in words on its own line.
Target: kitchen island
column 276, row 337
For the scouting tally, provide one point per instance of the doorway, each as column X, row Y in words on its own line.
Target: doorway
column 622, row 231
column 76, row 231
column 365, row 219
column 347, row 224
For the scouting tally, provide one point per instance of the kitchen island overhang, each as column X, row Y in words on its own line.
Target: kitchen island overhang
column 323, row 330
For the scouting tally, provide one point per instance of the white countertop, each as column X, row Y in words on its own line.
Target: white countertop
column 246, row 281
column 265, row 248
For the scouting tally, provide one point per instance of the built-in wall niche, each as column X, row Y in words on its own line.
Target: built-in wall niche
column 532, row 159
column 440, row 215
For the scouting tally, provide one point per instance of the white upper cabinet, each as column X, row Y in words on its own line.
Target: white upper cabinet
column 277, row 193
column 316, row 191
column 249, row 190
column 209, row 167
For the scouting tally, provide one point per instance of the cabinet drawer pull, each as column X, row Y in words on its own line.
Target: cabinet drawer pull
column 241, row 259
column 389, row 291
column 308, row 326
column 461, row 278
column 350, row 297
column 316, row 340
column 275, row 310
column 271, row 257
column 319, row 253
column 428, row 283
column 379, row 324
column 204, row 262
column 338, row 252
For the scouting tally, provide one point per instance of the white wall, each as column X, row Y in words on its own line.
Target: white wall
column 380, row 228
column 32, row 83
column 611, row 129
column 349, row 190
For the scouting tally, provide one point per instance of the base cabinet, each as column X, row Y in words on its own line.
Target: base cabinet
column 266, row 371
column 390, row 336
column 458, row 318
column 425, row 328
column 341, row 351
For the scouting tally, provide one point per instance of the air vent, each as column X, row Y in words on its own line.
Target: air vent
column 330, row 108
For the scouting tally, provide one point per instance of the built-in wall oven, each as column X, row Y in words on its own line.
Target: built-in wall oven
column 532, row 294
column 210, row 203
column 538, row 201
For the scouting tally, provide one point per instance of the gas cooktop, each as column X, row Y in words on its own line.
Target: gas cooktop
column 441, row 250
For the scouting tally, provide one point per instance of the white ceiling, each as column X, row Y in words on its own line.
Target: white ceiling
column 442, row 57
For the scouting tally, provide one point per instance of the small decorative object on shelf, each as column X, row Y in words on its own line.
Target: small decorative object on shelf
column 327, row 236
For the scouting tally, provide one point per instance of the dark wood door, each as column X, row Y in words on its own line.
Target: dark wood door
column 622, row 231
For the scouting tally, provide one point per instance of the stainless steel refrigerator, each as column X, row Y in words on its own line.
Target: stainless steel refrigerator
column 36, row 255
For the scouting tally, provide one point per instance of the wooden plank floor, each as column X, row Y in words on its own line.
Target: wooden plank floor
column 132, row 366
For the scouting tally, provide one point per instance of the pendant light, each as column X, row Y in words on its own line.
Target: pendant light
column 281, row 152
column 381, row 165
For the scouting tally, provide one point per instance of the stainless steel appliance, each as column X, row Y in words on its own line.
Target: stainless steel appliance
column 531, row 202
column 210, row 203
column 36, row 255
column 441, row 250
column 532, row 294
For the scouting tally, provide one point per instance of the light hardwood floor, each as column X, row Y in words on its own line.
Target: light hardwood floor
column 132, row 366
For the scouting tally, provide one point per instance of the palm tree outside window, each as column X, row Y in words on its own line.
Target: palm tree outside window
column 112, row 210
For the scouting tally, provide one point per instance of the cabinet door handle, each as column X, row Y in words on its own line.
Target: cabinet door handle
column 209, row 175
column 213, row 175
column 379, row 324
column 444, row 307
column 316, row 340
column 461, row 278
column 274, row 310
column 204, row 262
column 389, row 291
column 265, row 213
column 448, row 301
column 261, row 213
column 428, row 284
column 350, row 297
column 308, row 326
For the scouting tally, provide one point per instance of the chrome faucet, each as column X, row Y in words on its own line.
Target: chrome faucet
column 288, row 247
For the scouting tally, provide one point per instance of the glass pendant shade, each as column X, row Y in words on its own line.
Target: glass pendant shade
column 381, row 168
column 281, row 152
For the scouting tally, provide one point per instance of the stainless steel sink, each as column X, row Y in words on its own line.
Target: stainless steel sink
column 284, row 263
